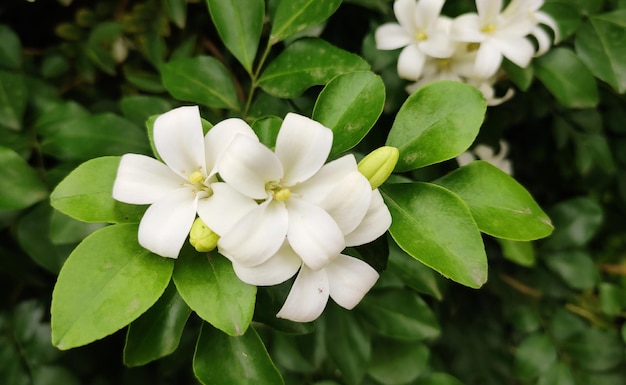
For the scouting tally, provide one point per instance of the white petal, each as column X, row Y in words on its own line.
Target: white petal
column 248, row 165
column 302, row 145
column 544, row 18
column 348, row 203
column 308, row 296
column 426, row 12
column 543, row 40
column 376, row 222
column 316, row 188
column 488, row 10
column 349, row 280
column 220, row 136
column 484, row 152
column 438, row 45
column 279, row 268
column 391, row 36
column 465, row 158
column 488, row 60
column 143, row 180
column 313, row 234
column 405, row 14
column 411, row 62
column 166, row 224
column 466, row 28
column 519, row 50
column 224, row 208
column 257, row 236
column 178, row 139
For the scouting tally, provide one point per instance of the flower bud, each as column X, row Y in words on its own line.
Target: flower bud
column 201, row 237
column 378, row 165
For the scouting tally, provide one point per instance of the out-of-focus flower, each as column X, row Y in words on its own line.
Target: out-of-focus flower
column 420, row 30
column 488, row 154
column 177, row 189
column 458, row 67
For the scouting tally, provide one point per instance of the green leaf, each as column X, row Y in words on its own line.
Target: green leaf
column 13, row 97
column 350, row 104
column 557, row 68
column 85, row 194
column 535, row 355
column 595, row 349
column 522, row 77
column 67, row 230
column 10, row 49
column 567, row 15
column 157, row 332
column 436, row 227
column 20, row 185
column 398, row 362
column 239, row 23
column 501, row 207
column 226, row 360
column 399, row 314
column 347, row 343
column 138, row 108
column 305, row 63
column 94, row 136
column 520, row 252
column 267, row 130
column 144, row 81
column 106, row 283
column 447, row 112
column 210, row 287
column 575, row 268
column 293, row 16
column 558, row 374
column 177, row 12
column 601, row 45
column 438, row 379
column 58, row 116
column 576, row 221
column 413, row 273
column 203, row 80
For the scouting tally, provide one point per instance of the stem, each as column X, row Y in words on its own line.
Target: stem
column 254, row 78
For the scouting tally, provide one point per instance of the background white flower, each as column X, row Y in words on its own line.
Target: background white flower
column 487, row 153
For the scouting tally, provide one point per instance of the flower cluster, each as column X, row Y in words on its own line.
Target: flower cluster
column 486, row 153
column 469, row 48
column 274, row 214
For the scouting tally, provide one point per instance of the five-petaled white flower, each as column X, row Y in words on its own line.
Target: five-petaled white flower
column 421, row 31
column 179, row 188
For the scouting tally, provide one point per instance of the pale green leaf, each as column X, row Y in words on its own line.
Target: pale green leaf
column 20, row 186
column 293, row 16
column 13, row 98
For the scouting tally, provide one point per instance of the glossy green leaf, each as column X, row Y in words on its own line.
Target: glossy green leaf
column 138, row 108
column 567, row 15
column 305, row 63
column 202, row 79
column 20, row 186
column 67, row 230
column 347, row 343
column 413, row 273
column 601, row 45
column 85, row 194
column 576, row 221
column 559, row 374
column 157, row 332
column 520, row 252
column 349, row 105
column 522, row 77
column 10, row 49
column 106, row 283
column 535, row 355
column 442, row 112
column 239, row 24
column 397, row 362
column 575, row 268
column 13, row 98
column 210, row 287
column 400, row 314
column 269, row 301
column 501, row 207
column 595, row 349
column 293, row 16
column 225, row 360
column 94, row 136
column 267, row 130
column 436, row 227
column 144, row 81
column 58, row 116
column 557, row 68
column 177, row 12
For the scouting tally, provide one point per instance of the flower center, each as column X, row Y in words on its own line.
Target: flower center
column 199, row 186
column 196, row 177
column 489, row 28
column 421, row 36
column 279, row 192
column 443, row 64
column 471, row 47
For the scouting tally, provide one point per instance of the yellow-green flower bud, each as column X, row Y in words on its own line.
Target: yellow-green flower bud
column 201, row 237
column 379, row 164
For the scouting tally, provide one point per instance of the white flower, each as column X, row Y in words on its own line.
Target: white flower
column 487, row 154
column 531, row 9
column 288, row 194
column 345, row 279
column 458, row 67
column 499, row 34
column 421, row 31
column 178, row 188
column 486, row 86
